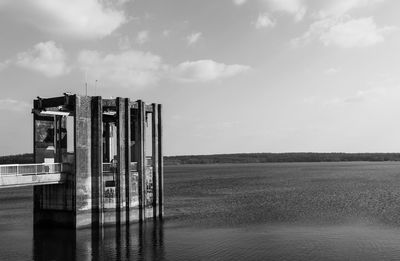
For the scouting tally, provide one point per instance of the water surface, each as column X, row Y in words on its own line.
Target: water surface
column 286, row 211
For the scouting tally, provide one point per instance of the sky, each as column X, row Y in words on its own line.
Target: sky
column 233, row 75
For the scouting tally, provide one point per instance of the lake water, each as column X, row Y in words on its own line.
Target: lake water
column 285, row 211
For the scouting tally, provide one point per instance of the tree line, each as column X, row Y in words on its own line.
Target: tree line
column 280, row 157
column 246, row 158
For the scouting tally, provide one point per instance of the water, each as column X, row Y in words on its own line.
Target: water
column 298, row 211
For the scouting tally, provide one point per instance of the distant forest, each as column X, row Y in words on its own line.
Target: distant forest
column 281, row 157
column 247, row 158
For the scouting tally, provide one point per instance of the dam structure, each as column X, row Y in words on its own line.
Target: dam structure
column 97, row 161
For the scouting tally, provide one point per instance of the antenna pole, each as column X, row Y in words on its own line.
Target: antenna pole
column 86, row 85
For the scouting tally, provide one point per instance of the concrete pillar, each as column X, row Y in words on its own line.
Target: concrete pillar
column 83, row 162
column 121, row 158
column 97, row 162
column 140, row 156
column 160, row 163
column 127, row 147
column 155, row 158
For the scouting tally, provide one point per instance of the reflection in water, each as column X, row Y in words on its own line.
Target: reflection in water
column 132, row 242
column 54, row 244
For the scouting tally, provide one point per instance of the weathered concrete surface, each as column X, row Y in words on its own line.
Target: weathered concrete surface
column 83, row 159
column 91, row 196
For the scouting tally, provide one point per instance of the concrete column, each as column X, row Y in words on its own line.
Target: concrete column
column 155, row 158
column 83, row 162
column 97, row 162
column 127, row 147
column 37, row 190
column 140, row 156
column 121, row 155
column 160, row 164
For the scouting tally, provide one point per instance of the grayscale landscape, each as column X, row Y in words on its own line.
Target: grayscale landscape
column 199, row 130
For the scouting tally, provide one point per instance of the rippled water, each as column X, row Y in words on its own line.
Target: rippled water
column 309, row 211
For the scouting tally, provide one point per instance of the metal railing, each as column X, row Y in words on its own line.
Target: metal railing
column 33, row 169
column 48, row 168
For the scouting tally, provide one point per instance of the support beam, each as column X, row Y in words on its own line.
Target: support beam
column 155, row 159
column 140, row 156
column 50, row 102
column 97, row 162
column 37, row 191
column 127, row 147
column 160, row 164
column 121, row 157
column 83, row 162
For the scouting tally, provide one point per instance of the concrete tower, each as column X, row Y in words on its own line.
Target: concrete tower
column 113, row 151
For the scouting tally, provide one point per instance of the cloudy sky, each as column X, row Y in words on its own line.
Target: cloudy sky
column 233, row 75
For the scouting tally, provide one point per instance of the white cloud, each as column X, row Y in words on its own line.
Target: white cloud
column 354, row 33
column 72, row 18
column 344, row 32
column 193, row 38
column 117, row 2
column 13, row 105
column 369, row 95
column 239, row 2
column 313, row 32
column 264, row 21
column 135, row 69
column 297, row 8
column 341, row 7
column 331, row 71
column 45, row 58
column 142, row 37
column 206, row 70
column 317, row 9
column 132, row 69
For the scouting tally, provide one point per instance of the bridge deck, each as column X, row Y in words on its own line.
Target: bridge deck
column 17, row 175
